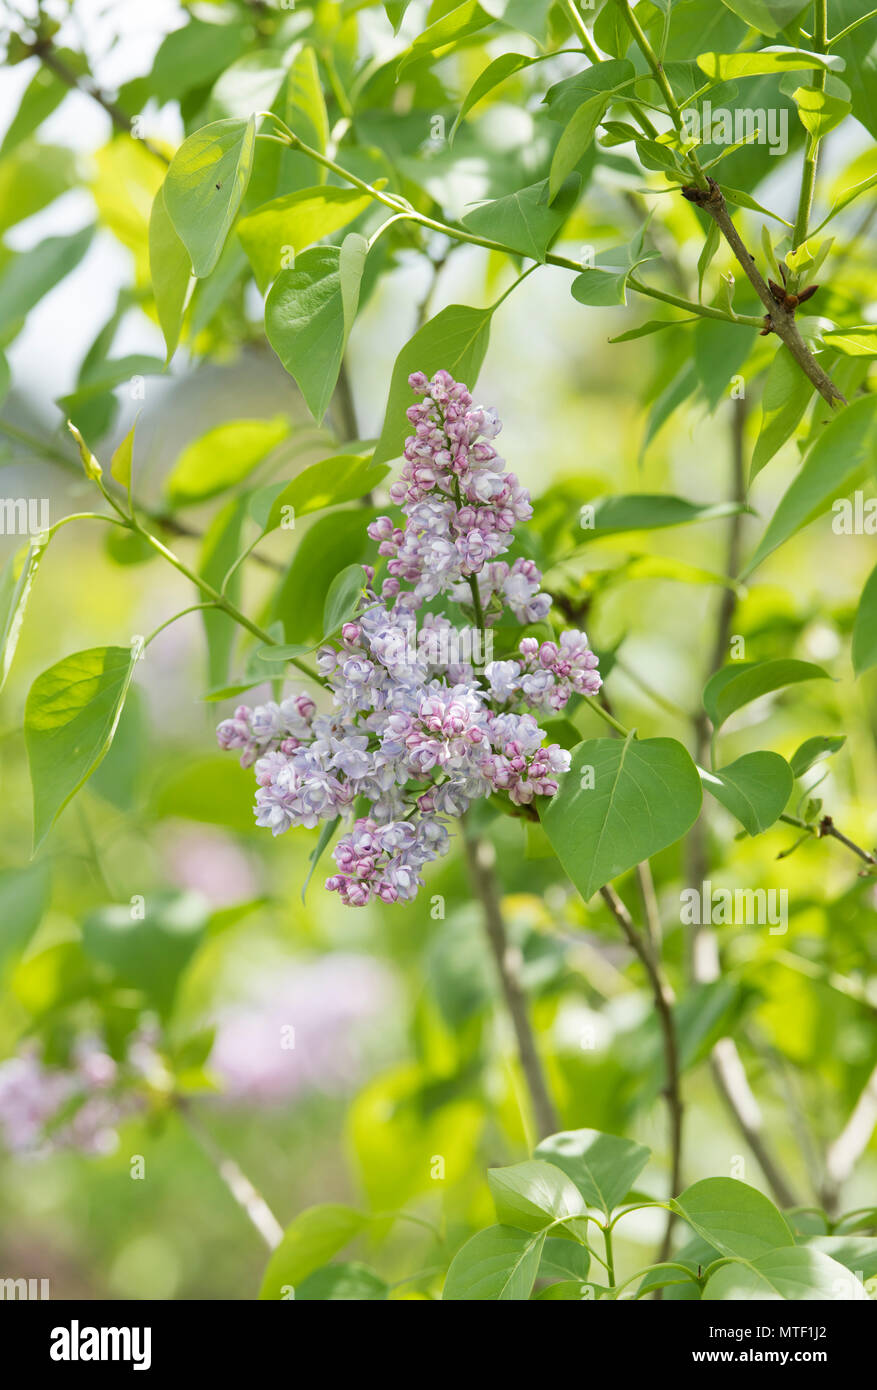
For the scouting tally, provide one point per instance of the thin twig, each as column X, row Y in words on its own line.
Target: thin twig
column 850, row 1144
column 480, row 857
column 251, row 1202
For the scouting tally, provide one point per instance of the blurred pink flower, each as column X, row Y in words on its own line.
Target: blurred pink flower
column 309, row 1027
column 211, row 863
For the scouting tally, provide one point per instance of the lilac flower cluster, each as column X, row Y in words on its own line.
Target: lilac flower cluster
column 43, row 1108
column 415, row 730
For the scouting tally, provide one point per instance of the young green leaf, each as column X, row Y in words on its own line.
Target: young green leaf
column 739, row 684
column 342, row 598
column 309, row 314
column 205, row 185
column 754, row 788
column 722, row 66
column 316, row 1234
column 16, row 582
column 170, row 271
column 150, row 952
column 812, row 750
column 496, row 1265
column 865, row 628
column 70, row 717
column 223, row 457
column 603, row 1167
column 533, row 1195
column 787, row 393
column 525, row 220
column 842, row 453
column 796, row 1273
column 280, row 230
column 456, row 340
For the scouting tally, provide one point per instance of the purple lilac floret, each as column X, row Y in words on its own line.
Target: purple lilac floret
column 415, row 730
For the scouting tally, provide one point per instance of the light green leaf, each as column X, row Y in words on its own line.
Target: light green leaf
column 148, row 953
column 812, row 750
column 734, row 1217
column 766, row 60
column 754, row 788
column 860, row 341
column 170, row 271
column 342, row 598
column 819, row 111
column 620, row 803
column 122, row 460
column 316, row 1234
column 70, row 717
column 29, row 275
column 293, row 223
column 24, row 898
column 455, row 339
column 858, row 1253
column 865, row 628
column 309, row 314
column 496, row 1265
column 603, row 1167
column 205, row 185
column 787, row 393
column 223, row 457
column 842, row 453
column 564, row 1259
column 575, row 141
column 449, row 28
column 342, row 478
column 503, row 67
column 651, row 511
column 739, row 684
column 533, row 1195
column 767, row 16
column 524, row 220
column 16, row 582
column 798, row 1274
column 351, row 1283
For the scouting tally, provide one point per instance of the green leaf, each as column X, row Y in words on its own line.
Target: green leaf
column 455, row 339
column 524, row 220
column 42, row 95
column 564, row 1259
column 606, row 282
column 316, row 854
column 282, row 229
column 812, row 750
column 652, row 326
column 149, row 947
column 122, row 460
column 745, row 200
column 342, row 598
column 721, row 66
column 651, row 511
column 170, row 272
column 223, row 457
column 566, row 96
column 29, row 275
column 767, row 16
column 603, row 1167
column 720, row 349
column 193, row 56
column 860, row 341
column 859, row 51
column 309, row 314
column 449, row 28
column 754, row 788
column 797, row 1274
column 503, row 67
column 316, row 1234
column 858, row 1253
column 70, row 717
column 496, row 1265
column 533, row 1195
column 119, row 777
column 842, row 453
column 205, row 185
column 16, row 582
column 214, row 790
column 343, row 1282
column 31, row 178
column 737, row 685
column 621, row 802
column 818, row 111
column 734, row 1217
column 575, row 141
column 342, row 478
column 865, row 628
column 787, row 393
column 24, row 899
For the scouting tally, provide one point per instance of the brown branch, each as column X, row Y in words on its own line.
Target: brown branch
column 780, row 319
column 663, row 998
column 480, row 857
column 50, row 58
